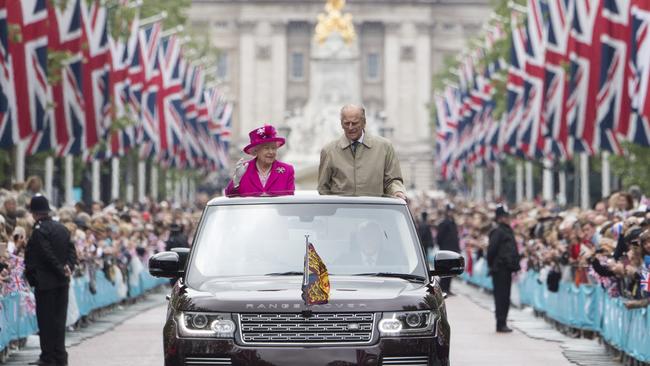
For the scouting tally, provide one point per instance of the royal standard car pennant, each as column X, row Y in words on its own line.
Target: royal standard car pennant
column 316, row 283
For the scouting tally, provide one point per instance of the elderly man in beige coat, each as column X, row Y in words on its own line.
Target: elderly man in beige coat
column 359, row 164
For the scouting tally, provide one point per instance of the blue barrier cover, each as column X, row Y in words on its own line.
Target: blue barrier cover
column 585, row 307
column 16, row 324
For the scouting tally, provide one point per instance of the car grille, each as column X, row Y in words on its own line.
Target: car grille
column 296, row 329
column 405, row 361
column 207, row 361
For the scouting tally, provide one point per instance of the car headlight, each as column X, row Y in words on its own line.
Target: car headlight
column 407, row 323
column 209, row 325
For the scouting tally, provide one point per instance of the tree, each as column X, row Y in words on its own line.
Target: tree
column 632, row 166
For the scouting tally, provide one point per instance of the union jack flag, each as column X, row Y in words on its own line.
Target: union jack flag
column 613, row 98
column 600, row 60
column 226, row 124
column 95, row 73
column 221, row 131
column 27, row 46
column 515, row 88
column 445, row 129
column 584, row 71
column 555, row 132
column 7, row 127
column 533, row 83
column 210, row 144
column 144, row 75
column 173, row 142
column 122, row 54
column 639, row 131
column 65, row 35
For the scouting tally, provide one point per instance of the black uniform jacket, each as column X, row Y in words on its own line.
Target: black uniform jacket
column 48, row 250
column 502, row 250
column 447, row 237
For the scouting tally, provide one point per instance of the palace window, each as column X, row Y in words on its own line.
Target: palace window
column 297, row 66
column 222, row 65
column 372, row 66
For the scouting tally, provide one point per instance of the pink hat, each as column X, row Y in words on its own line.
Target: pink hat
column 262, row 135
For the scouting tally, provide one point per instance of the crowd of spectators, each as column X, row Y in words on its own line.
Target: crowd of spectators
column 116, row 238
column 607, row 245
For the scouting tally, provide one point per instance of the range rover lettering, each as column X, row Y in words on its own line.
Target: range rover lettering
column 239, row 297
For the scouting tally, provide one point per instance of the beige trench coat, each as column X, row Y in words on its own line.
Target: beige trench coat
column 373, row 171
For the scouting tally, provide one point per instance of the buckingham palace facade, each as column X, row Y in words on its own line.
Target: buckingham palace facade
column 266, row 48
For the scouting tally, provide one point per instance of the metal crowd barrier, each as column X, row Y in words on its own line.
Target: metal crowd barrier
column 585, row 307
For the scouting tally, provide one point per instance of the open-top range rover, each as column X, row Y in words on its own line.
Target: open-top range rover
column 238, row 299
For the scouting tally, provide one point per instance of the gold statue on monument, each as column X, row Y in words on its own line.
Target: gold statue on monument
column 334, row 21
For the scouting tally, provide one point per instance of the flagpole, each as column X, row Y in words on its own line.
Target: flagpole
column 562, row 200
column 168, row 185
column 135, row 4
column 154, row 182
column 68, row 180
column 480, row 184
column 497, row 180
column 519, row 182
column 530, row 194
column 95, row 180
column 142, row 177
column 192, row 191
column 21, row 152
column 172, row 31
column 547, row 185
column 305, row 275
column 516, row 7
column 115, row 177
column 606, row 175
column 152, row 19
column 584, row 181
column 49, row 177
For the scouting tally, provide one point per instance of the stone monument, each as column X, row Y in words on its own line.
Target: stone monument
column 334, row 76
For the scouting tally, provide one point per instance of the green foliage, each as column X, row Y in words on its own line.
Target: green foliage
column 120, row 19
column 175, row 11
column 6, row 166
column 14, row 33
column 55, row 61
column 499, row 51
column 633, row 167
column 448, row 73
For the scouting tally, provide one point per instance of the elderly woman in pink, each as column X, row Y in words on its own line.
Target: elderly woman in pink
column 263, row 175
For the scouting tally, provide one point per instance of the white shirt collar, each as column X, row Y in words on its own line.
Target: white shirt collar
column 363, row 134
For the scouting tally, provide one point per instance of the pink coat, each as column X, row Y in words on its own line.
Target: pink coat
column 280, row 182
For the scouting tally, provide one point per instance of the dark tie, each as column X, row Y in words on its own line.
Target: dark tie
column 354, row 147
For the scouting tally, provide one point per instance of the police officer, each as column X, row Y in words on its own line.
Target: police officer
column 50, row 258
column 177, row 239
column 503, row 260
column 447, row 239
column 424, row 231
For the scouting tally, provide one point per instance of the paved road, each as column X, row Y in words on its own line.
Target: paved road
column 475, row 342
column 136, row 340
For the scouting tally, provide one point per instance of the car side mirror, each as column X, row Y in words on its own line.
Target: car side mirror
column 183, row 254
column 165, row 264
column 447, row 264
